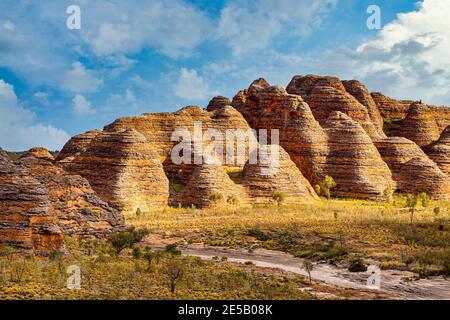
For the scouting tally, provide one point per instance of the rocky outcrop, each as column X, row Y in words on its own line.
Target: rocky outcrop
column 442, row 116
column 39, row 153
column 76, row 206
column 325, row 95
column 275, row 172
column 27, row 219
column 390, row 108
column 194, row 123
column 271, row 107
column 3, row 155
column 360, row 92
column 411, row 168
column 353, row 161
column 77, row 145
column 218, row 102
column 419, row 125
column 124, row 170
column 439, row 152
column 210, row 185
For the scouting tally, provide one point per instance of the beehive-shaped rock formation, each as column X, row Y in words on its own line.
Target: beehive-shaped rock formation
column 39, row 153
column 27, row 220
column 397, row 152
column 420, row 125
column 325, row 95
column 210, row 185
column 76, row 145
column 3, row 155
column 159, row 129
column 439, row 152
column 390, row 108
column 77, row 207
column 271, row 107
column 273, row 171
column 218, row 103
column 354, row 162
column 124, row 169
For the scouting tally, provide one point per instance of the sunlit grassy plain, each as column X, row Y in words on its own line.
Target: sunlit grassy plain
column 333, row 231
column 329, row 230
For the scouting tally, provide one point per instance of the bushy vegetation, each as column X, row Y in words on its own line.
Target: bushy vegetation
column 334, row 231
column 325, row 186
column 148, row 275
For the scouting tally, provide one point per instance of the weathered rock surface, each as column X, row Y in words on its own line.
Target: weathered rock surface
column 77, row 145
column 411, row 168
column 419, row 125
column 27, row 219
column 390, row 108
column 271, row 107
column 325, row 95
column 354, row 162
column 439, row 152
column 210, row 185
column 275, row 172
column 218, row 102
column 77, row 207
column 39, row 153
column 124, row 169
column 158, row 128
column 3, row 155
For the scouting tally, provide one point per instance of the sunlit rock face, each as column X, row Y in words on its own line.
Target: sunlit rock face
column 77, row 207
column 124, row 170
column 27, row 219
column 275, row 172
column 76, row 145
column 271, row 107
column 419, row 125
column 354, row 162
column 439, row 152
column 412, row 169
column 325, row 95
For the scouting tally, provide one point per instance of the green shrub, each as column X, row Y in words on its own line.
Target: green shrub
column 326, row 185
column 173, row 249
column 122, row 240
column 357, row 265
column 216, row 197
column 278, row 197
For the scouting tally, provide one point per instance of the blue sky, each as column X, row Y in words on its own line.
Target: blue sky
column 154, row 55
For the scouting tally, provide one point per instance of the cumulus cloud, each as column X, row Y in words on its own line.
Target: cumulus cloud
column 18, row 130
column 190, row 86
column 81, row 105
column 173, row 27
column 79, row 79
column 252, row 26
column 409, row 57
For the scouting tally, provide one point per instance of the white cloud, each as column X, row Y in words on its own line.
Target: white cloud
column 81, row 105
column 18, row 130
column 79, row 79
column 173, row 27
column 190, row 86
column 409, row 57
column 252, row 26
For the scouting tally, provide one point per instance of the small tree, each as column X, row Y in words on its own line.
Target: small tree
column 424, row 199
column 122, row 240
column 326, row 185
column 174, row 270
column 387, row 194
column 216, row 197
column 149, row 256
column 278, row 197
column 411, row 203
column 317, row 189
column 308, row 266
column 138, row 212
column 173, row 249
